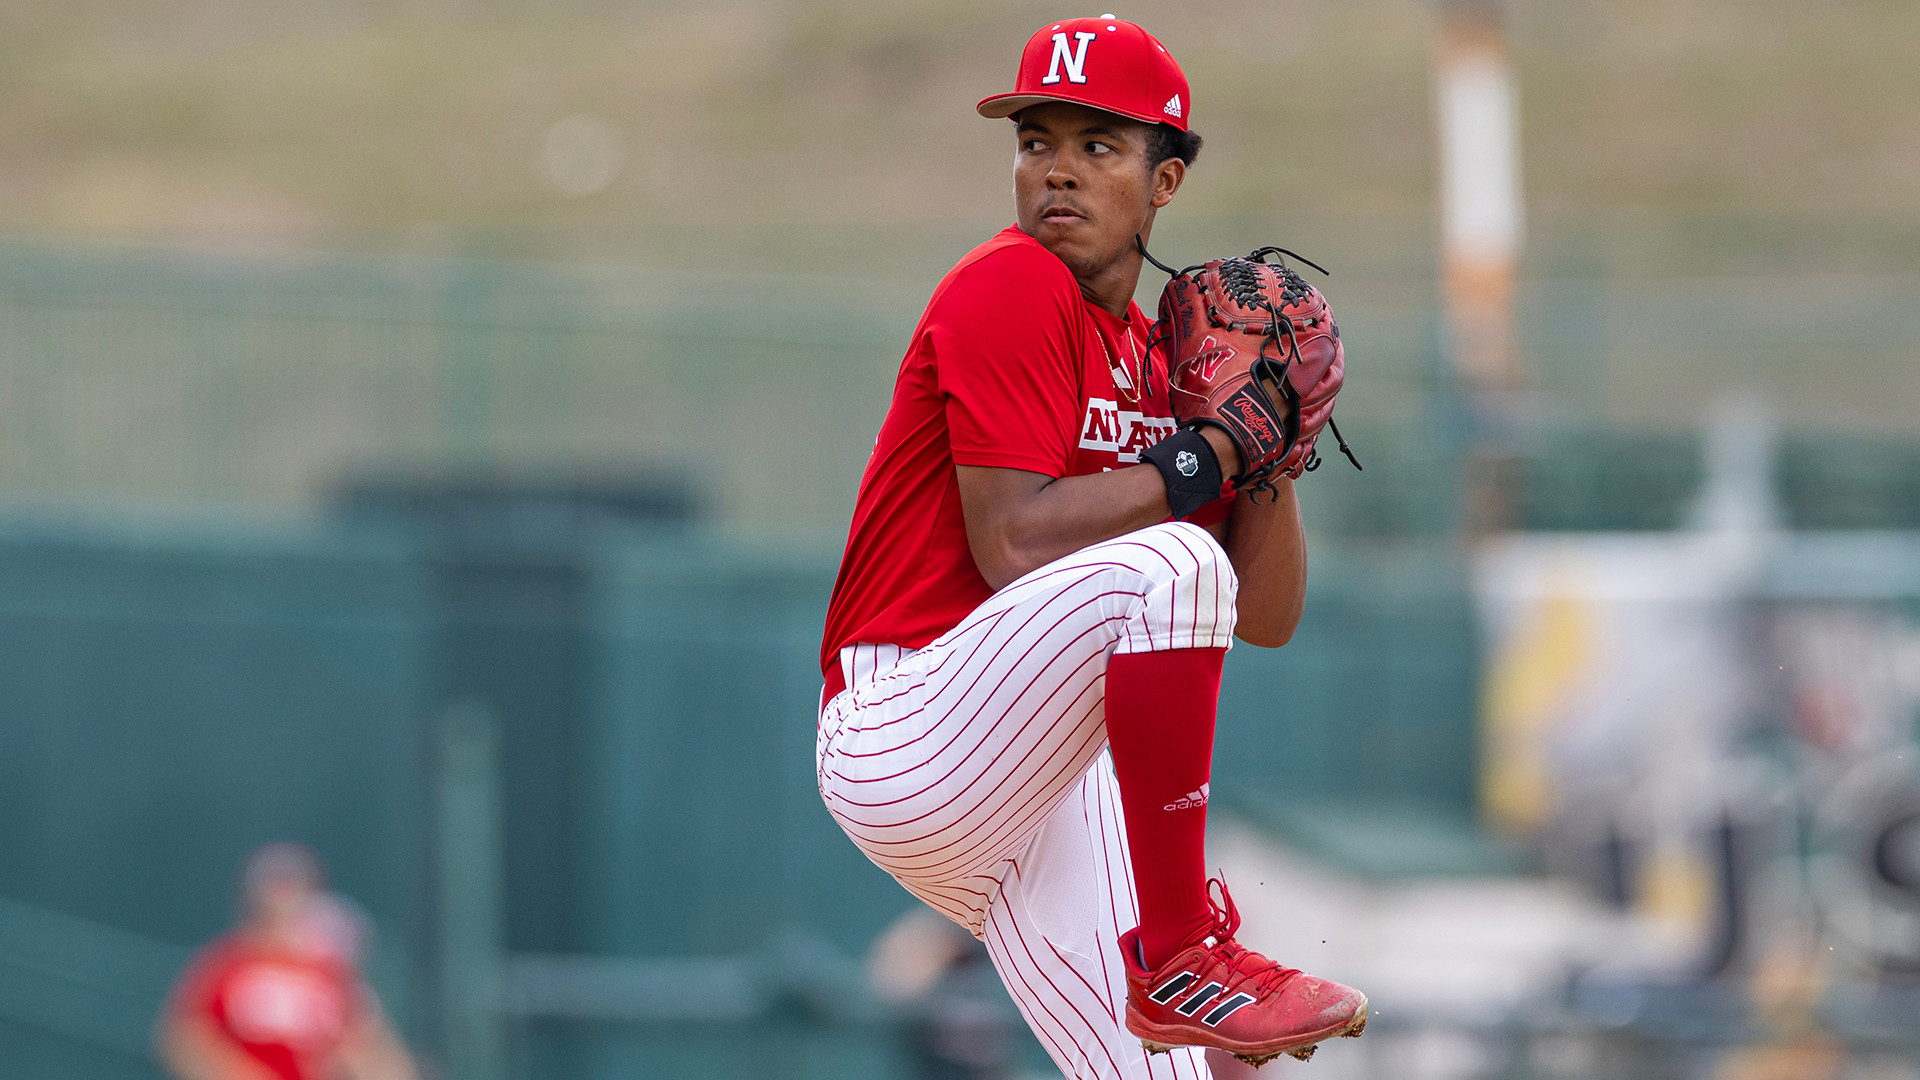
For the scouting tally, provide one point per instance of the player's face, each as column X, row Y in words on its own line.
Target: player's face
column 276, row 903
column 1081, row 182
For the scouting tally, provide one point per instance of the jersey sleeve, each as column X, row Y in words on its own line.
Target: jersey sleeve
column 1008, row 363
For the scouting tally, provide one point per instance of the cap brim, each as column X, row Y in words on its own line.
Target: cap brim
column 1001, row 106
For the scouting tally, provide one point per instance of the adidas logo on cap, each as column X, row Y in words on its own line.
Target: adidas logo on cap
column 1172, row 107
column 1190, row 800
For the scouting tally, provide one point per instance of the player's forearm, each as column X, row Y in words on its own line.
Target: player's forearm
column 1019, row 521
column 1268, row 547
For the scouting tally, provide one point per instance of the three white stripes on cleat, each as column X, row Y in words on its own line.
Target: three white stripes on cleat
column 1171, row 989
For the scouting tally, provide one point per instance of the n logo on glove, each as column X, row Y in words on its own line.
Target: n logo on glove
column 1209, row 362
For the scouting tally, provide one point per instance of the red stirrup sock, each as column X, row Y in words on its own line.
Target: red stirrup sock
column 1160, row 709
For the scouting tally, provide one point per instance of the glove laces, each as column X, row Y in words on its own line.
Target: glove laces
column 1241, row 282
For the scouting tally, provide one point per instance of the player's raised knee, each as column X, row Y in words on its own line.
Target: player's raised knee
column 1193, row 553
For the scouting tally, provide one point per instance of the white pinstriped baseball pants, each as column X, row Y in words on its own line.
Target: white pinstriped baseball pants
column 975, row 771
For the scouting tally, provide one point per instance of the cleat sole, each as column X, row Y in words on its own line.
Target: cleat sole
column 1353, row 1029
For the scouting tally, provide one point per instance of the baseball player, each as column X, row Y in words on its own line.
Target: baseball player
column 281, row 998
column 1044, row 571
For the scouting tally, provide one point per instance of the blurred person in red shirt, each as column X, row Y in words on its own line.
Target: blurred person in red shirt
column 280, row 996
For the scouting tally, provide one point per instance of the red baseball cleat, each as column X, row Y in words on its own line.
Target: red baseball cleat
column 1218, row 993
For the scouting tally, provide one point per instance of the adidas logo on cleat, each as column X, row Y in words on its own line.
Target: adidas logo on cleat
column 1206, row 995
column 1190, row 800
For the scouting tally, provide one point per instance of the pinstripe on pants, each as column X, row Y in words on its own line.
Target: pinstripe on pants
column 975, row 772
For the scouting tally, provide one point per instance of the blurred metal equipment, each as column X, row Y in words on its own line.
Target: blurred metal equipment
column 497, row 509
column 1865, row 866
column 470, row 871
column 78, row 980
column 960, row 1024
column 507, row 560
column 1715, row 727
column 620, row 988
column 484, row 990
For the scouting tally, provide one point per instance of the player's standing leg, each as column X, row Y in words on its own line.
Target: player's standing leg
column 1054, row 936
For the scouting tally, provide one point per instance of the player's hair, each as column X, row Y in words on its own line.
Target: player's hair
column 1166, row 141
column 279, row 862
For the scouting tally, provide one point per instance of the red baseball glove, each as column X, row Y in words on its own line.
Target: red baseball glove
column 1253, row 349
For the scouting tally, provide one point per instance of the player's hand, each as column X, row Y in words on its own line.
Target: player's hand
column 1253, row 348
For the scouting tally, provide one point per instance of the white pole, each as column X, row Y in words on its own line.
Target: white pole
column 1481, row 217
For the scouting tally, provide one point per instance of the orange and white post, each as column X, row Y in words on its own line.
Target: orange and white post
column 1480, row 206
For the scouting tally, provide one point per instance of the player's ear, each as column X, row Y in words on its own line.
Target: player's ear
column 1167, row 177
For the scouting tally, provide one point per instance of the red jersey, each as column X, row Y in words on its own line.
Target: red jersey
column 288, row 1011
column 1010, row 367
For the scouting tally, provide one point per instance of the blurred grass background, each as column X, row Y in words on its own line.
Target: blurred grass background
column 1719, row 197
column 412, row 126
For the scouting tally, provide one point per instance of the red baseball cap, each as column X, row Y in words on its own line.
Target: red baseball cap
column 1106, row 63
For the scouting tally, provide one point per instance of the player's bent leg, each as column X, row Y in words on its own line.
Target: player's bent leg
column 1053, row 934
column 944, row 765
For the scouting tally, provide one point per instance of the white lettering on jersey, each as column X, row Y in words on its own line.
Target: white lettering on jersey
column 1075, row 59
column 269, row 1003
column 1123, row 432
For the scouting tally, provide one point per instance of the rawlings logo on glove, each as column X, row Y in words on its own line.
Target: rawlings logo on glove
column 1254, row 351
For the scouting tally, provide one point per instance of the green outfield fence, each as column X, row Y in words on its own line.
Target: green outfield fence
column 176, row 697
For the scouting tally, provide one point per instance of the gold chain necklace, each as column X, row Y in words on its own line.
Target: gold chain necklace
column 1125, row 381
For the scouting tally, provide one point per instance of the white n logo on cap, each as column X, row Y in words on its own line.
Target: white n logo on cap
column 1076, row 59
